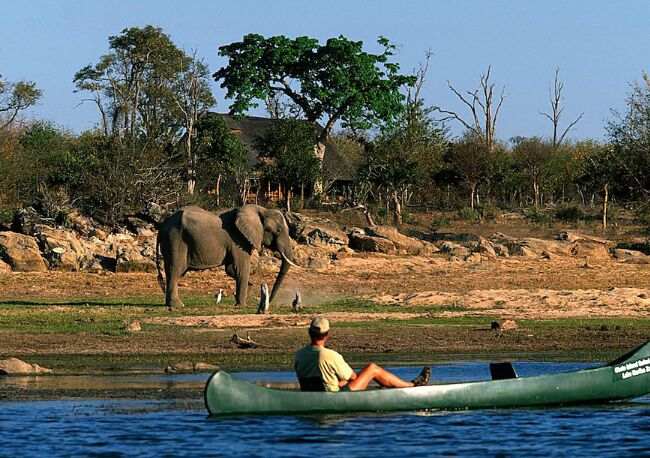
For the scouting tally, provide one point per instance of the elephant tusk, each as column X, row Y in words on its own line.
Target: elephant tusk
column 284, row 256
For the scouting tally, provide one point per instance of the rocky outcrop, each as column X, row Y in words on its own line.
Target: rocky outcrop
column 454, row 249
column 4, row 267
column 140, row 228
column 324, row 236
column 631, row 256
column 129, row 258
column 26, row 219
column 15, row 366
column 311, row 257
column 486, row 249
column 21, row 252
column 360, row 241
column 566, row 244
column 403, row 244
column 62, row 249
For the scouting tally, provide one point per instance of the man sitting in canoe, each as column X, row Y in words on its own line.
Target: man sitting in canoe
column 321, row 369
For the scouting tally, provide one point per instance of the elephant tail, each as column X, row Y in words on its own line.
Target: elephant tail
column 161, row 278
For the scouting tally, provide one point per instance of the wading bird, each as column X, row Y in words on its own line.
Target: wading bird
column 296, row 305
column 264, row 305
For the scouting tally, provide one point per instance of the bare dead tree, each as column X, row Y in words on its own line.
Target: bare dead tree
column 555, row 100
column 484, row 108
column 193, row 99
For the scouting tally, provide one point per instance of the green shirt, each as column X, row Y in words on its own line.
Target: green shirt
column 322, row 362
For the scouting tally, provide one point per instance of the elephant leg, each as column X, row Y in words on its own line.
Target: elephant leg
column 174, row 270
column 243, row 273
column 230, row 271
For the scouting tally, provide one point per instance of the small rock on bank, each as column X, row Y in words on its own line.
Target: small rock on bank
column 15, row 366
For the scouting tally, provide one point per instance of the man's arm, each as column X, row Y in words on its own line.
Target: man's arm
column 344, row 372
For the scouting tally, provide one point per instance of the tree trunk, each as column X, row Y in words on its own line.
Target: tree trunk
column 472, row 193
column 535, row 193
column 397, row 210
column 191, row 166
column 319, row 152
column 302, row 196
column 288, row 200
column 217, row 189
column 605, row 200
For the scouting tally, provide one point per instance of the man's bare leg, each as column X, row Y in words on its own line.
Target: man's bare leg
column 374, row 372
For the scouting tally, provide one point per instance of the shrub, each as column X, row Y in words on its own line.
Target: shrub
column 469, row 214
column 570, row 213
column 488, row 211
column 642, row 214
column 537, row 216
column 438, row 223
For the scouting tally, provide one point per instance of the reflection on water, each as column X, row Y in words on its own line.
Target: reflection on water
column 180, row 427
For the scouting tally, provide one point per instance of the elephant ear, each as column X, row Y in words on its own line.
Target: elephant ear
column 249, row 223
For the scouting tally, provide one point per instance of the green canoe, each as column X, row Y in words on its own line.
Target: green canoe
column 625, row 378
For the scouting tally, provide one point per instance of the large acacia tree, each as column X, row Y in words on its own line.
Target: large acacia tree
column 333, row 82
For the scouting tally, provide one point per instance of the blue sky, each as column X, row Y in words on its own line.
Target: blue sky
column 600, row 46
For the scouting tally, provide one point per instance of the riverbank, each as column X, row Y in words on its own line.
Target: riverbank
column 396, row 309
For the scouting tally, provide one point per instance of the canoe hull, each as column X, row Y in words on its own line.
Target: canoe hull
column 624, row 379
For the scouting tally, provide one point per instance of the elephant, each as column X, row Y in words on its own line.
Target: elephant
column 196, row 239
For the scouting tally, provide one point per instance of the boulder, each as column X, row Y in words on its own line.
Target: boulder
column 4, row 267
column 25, row 219
column 181, row 367
column 62, row 249
column 589, row 248
column 134, row 326
column 363, row 242
column 21, row 252
column 343, row 252
column 205, row 367
column 500, row 250
column 454, row 249
column 529, row 247
column 403, row 243
column 141, row 228
column 486, row 249
column 509, row 325
column 324, row 236
column 81, row 224
column 429, row 249
column 473, row 258
column 153, row 213
column 128, row 258
column 631, row 256
column 15, row 366
column 572, row 236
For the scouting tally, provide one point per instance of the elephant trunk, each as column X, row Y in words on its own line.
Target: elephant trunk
column 284, row 268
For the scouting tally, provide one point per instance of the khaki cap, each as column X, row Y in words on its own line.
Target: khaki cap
column 320, row 324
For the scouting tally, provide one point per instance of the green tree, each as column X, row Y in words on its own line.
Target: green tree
column 333, row 82
column 468, row 157
column 46, row 168
column 629, row 135
column 14, row 98
column 222, row 157
column 289, row 148
column 534, row 157
column 598, row 172
column 149, row 94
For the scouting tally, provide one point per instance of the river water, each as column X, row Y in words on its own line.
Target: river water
column 165, row 416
